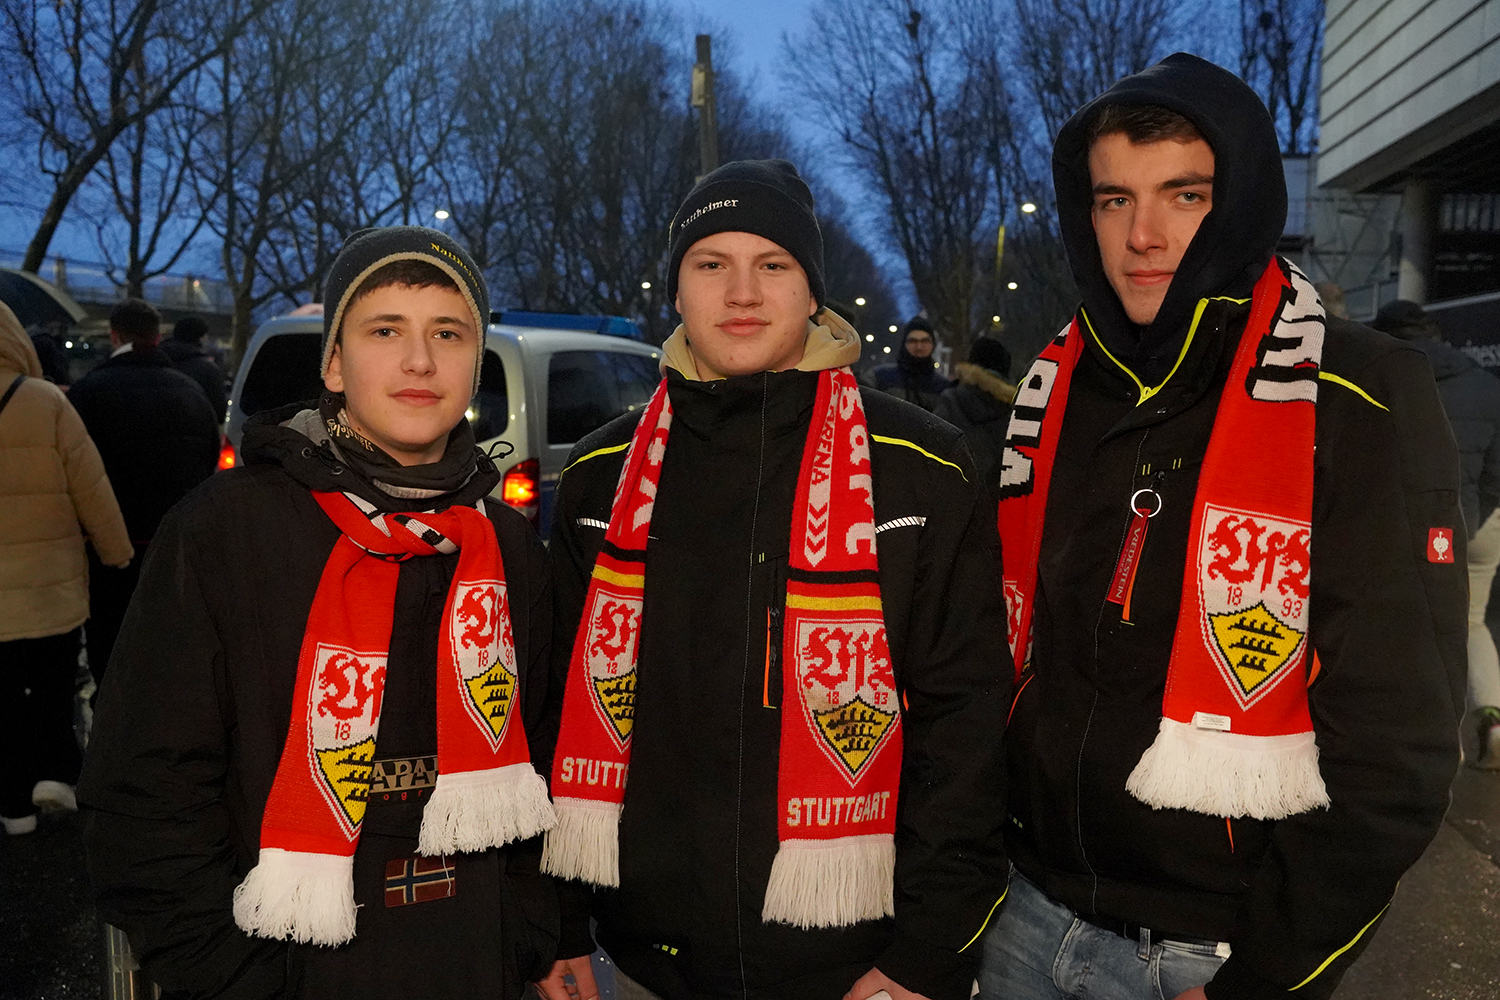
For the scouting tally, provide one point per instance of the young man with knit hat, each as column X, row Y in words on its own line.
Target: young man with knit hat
column 777, row 635
column 1235, row 576
column 310, row 773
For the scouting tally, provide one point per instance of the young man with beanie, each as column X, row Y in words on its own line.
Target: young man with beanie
column 1235, row 576
column 310, row 773
column 777, row 634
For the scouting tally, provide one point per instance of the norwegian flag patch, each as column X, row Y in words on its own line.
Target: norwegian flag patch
column 419, row 880
column 1440, row 545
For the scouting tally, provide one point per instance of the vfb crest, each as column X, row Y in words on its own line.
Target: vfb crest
column 847, row 689
column 480, row 634
column 1253, row 581
column 613, row 639
column 343, row 716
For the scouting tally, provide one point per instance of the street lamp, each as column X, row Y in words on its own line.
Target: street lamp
column 645, row 286
column 887, row 350
column 870, row 338
column 1028, row 207
column 440, row 214
column 995, row 320
column 860, row 301
column 1012, row 286
column 894, row 328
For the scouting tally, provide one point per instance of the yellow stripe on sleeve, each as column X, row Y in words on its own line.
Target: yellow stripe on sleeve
column 987, row 918
column 595, row 454
column 1329, row 960
column 1338, row 380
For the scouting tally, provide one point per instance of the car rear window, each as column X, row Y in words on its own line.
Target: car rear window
column 284, row 370
column 588, row 389
column 490, row 411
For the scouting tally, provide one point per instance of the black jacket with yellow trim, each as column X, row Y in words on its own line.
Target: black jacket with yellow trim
column 698, row 829
column 1297, row 899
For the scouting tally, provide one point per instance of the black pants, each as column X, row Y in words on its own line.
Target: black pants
column 37, row 742
column 110, row 590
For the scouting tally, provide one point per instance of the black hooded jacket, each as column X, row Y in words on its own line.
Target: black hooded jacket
column 1471, row 398
column 193, row 718
column 698, row 829
column 1297, row 899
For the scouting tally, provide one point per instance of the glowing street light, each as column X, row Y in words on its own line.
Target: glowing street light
column 893, row 328
column 860, row 301
column 887, row 350
column 1028, row 207
column 1012, row 286
column 440, row 214
column 646, row 286
column 994, row 319
column 870, row 338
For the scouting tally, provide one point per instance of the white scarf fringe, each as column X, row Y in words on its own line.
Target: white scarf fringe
column 832, row 883
column 1229, row 774
column 585, row 843
column 477, row 810
column 291, row 896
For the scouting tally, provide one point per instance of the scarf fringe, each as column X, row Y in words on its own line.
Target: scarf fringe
column 832, row 883
column 292, row 896
column 477, row 810
column 585, row 843
column 1229, row 774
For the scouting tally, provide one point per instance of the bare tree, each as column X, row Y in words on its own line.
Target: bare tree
column 83, row 73
column 1281, row 49
column 921, row 110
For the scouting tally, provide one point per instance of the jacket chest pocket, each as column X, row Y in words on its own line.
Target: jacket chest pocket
column 773, row 572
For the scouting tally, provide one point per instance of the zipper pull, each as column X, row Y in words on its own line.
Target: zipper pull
column 1144, row 505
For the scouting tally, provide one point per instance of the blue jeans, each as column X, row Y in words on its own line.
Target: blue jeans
column 1038, row 949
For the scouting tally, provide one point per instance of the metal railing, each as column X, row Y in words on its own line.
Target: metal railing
column 90, row 282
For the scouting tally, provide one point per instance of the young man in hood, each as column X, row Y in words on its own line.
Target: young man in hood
column 309, row 775
column 913, row 376
column 1234, row 570
column 775, row 616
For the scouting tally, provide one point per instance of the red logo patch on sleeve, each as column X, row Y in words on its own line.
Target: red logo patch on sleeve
column 1440, row 545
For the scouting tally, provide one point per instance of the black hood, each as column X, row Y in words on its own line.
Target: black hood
column 1234, row 242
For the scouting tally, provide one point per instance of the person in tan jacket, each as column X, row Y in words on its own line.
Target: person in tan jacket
column 53, row 490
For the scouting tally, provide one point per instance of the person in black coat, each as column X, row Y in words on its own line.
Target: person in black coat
column 1471, row 399
column 193, row 719
column 698, row 831
column 1171, row 203
column 913, row 376
column 978, row 404
column 159, row 437
column 185, row 348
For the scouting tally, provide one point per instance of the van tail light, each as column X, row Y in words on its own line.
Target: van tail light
column 520, row 489
column 226, row 454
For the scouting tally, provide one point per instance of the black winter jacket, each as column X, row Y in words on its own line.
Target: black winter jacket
column 1471, row 399
column 155, row 430
column 978, row 404
column 1297, row 898
column 193, row 718
column 190, row 358
column 698, row 829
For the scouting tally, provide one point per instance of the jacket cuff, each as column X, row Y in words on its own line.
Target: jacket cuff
column 1236, row 980
column 574, row 901
column 934, row 972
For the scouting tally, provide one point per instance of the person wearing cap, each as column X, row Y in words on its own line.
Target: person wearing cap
column 778, row 635
column 1235, row 572
column 310, row 773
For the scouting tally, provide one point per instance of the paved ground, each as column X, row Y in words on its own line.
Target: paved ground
column 1441, row 939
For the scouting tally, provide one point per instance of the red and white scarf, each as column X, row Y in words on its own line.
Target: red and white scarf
column 487, row 792
column 1236, row 738
column 840, row 756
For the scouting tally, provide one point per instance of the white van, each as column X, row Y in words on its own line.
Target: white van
column 546, row 381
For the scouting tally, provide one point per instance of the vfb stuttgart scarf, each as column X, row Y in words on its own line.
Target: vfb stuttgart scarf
column 840, row 757
column 487, row 793
column 1236, row 737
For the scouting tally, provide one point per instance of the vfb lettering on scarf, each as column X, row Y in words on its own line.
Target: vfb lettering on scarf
column 849, row 809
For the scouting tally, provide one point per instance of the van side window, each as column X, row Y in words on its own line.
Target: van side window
column 490, row 411
column 588, row 389
column 284, row 370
